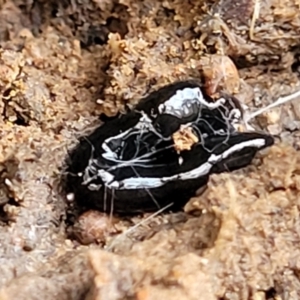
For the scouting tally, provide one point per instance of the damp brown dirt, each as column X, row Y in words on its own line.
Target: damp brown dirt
column 62, row 64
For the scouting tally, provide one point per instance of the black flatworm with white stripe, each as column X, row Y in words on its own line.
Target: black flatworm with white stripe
column 130, row 165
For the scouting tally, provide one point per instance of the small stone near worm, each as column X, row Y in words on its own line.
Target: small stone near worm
column 94, row 227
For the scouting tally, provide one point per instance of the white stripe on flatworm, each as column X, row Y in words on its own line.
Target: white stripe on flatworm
column 150, row 182
column 180, row 104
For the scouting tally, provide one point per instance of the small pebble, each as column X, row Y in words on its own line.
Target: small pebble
column 93, row 227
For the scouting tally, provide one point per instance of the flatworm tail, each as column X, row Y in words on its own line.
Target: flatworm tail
column 240, row 149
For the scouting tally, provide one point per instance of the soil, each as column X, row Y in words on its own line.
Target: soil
column 62, row 64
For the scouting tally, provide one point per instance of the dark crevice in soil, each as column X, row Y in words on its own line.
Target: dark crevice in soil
column 296, row 64
column 57, row 14
column 271, row 294
column 4, row 216
column 9, row 111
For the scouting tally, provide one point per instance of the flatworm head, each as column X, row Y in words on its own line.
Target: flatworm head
column 130, row 164
column 186, row 102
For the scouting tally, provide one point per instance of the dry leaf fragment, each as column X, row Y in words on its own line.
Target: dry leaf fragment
column 184, row 139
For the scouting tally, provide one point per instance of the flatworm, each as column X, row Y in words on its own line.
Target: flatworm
column 130, row 164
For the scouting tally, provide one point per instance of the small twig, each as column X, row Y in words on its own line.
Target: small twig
column 124, row 234
column 279, row 101
column 254, row 18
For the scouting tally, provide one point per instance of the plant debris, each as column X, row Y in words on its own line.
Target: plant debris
column 184, row 139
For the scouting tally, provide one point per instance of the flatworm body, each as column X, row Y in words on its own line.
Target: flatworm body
column 129, row 164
